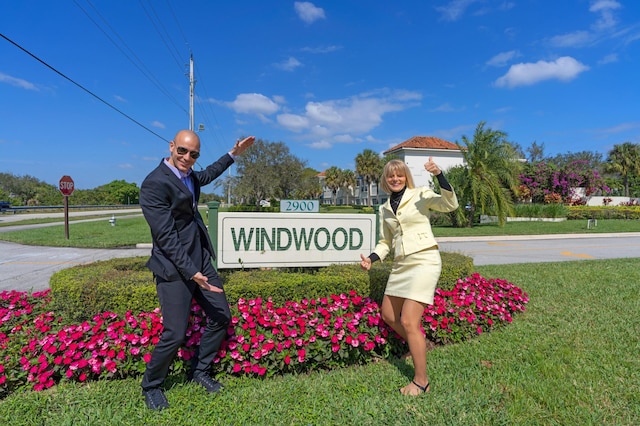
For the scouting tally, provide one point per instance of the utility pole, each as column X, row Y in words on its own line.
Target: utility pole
column 192, row 84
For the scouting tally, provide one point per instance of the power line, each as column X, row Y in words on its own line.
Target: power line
column 80, row 86
column 175, row 58
column 140, row 67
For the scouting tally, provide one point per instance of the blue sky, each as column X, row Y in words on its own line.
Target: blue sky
column 327, row 78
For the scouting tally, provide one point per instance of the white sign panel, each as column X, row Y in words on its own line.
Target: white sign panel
column 299, row 206
column 255, row 240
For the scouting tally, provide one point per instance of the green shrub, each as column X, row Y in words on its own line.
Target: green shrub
column 282, row 286
column 121, row 285
column 551, row 210
column 116, row 285
column 603, row 212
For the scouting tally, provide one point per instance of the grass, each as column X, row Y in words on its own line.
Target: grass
column 99, row 234
column 28, row 221
column 570, row 359
column 131, row 231
column 538, row 228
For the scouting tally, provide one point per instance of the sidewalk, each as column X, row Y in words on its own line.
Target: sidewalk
column 29, row 268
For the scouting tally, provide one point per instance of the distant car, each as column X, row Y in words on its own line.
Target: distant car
column 5, row 205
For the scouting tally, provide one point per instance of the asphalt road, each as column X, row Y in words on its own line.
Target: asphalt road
column 544, row 248
column 28, row 268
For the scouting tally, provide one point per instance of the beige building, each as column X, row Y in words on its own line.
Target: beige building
column 414, row 152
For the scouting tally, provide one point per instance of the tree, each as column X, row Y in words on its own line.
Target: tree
column 490, row 174
column 119, row 192
column 267, row 170
column 624, row 160
column 309, row 187
column 28, row 191
column 290, row 171
column 348, row 182
column 369, row 167
column 536, row 152
column 333, row 181
column 592, row 159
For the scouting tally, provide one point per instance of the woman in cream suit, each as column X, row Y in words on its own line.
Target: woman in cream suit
column 407, row 235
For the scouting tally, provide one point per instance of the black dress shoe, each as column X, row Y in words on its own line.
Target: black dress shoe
column 155, row 399
column 209, row 383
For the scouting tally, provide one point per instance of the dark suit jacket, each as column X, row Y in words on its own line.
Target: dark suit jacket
column 181, row 242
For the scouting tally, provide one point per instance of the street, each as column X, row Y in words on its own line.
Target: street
column 28, row 268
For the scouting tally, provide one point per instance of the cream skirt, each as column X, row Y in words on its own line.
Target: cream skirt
column 415, row 276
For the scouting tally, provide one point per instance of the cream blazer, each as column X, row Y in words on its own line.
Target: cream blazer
column 409, row 230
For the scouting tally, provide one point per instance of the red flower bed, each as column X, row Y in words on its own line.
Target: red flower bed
column 39, row 349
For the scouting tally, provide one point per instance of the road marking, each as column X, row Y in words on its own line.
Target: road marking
column 41, row 263
column 580, row 255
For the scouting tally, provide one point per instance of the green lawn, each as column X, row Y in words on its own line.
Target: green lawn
column 570, row 359
column 131, row 231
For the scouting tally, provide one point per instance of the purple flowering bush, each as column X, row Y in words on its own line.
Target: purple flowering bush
column 39, row 349
column 544, row 182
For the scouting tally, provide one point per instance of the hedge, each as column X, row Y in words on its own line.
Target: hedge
column 121, row 285
column 603, row 212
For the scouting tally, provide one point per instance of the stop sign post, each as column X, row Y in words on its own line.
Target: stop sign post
column 66, row 186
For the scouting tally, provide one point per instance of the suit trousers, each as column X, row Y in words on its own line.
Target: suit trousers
column 175, row 302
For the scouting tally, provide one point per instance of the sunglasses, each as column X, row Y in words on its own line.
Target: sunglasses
column 183, row 151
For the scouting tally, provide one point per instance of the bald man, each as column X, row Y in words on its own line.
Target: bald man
column 181, row 262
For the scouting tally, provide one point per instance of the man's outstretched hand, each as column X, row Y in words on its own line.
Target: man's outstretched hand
column 242, row 145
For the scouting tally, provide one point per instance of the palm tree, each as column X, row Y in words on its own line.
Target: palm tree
column 490, row 175
column 348, row 182
column 624, row 160
column 332, row 180
column 369, row 167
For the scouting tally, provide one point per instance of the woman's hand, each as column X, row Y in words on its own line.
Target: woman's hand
column 432, row 167
column 365, row 263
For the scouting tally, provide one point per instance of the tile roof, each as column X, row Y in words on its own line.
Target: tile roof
column 424, row 142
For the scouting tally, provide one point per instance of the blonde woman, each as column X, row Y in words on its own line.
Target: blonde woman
column 406, row 234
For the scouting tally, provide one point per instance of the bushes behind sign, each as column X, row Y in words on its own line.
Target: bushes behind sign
column 121, row 285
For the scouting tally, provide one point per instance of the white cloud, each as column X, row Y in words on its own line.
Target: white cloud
column 607, row 18
column 574, row 39
column 446, row 107
column 17, row 82
column 321, row 145
column 321, row 49
column 158, row 124
column 344, row 138
column 120, row 98
column 125, row 166
column 308, row 12
column 289, row 65
column 565, row 68
column 253, row 103
column 356, row 115
column 293, row 122
column 608, row 59
column 502, row 59
column 454, row 10
column 620, row 128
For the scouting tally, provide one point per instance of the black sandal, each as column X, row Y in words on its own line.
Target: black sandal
column 424, row 389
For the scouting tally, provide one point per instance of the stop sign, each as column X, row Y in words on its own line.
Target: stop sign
column 66, row 185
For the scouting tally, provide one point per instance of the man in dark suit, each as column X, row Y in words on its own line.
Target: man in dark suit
column 181, row 262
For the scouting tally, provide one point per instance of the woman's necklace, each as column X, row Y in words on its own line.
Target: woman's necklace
column 395, row 203
column 395, row 199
